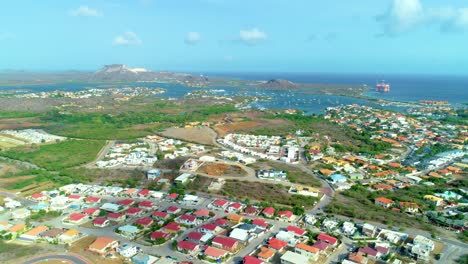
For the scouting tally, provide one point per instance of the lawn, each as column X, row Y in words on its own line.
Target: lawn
column 65, row 154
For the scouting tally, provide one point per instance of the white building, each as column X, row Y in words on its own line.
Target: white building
column 293, row 258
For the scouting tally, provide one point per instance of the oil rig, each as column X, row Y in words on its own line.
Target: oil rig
column 382, row 87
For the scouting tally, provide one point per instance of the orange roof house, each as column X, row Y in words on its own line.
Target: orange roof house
column 102, row 245
column 266, row 254
column 235, row 218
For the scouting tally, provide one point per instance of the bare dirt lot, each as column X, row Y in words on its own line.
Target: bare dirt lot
column 234, row 123
column 222, row 169
column 201, row 135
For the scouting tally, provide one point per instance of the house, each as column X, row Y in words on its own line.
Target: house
column 172, row 227
column 369, row 252
column 251, row 210
column 384, row 202
column 266, row 254
column 195, row 236
column 310, row 252
column 70, row 236
column 38, row 197
column 202, row 213
column 116, row 217
column 101, row 222
column 293, row 258
column 145, row 221
column 134, row 211
column 336, row 178
column 268, row 212
column 234, row 218
column 77, row 218
column 129, row 231
column 126, row 202
column 211, row 229
column 183, row 178
column 424, row 242
column 235, row 207
column 187, row 219
column 277, row 244
column 286, row 216
column 221, row 222
column 327, row 238
column 103, row 245
column 252, row 260
column 92, row 212
column 172, row 196
column 260, row 222
column 409, row 207
column 382, row 187
column 296, row 230
column 33, row 234
column 111, row 207
column 160, row 216
column 173, row 210
column 215, row 254
column 92, row 199
column 188, row 247
column 433, row 200
column 147, row 205
column 220, row 204
column 143, row 193
column 153, row 174
column 75, row 198
column 159, row 235
column 52, row 235
column 321, row 246
column 142, row 258
column 225, row 243
column 288, row 237
column 239, row 234
column 16, row 229
column 127, row 251
column 358, row 258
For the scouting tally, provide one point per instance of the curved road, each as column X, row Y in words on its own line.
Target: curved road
column 60, row 257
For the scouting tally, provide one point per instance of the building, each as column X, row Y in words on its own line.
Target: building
column 33, row 234
column 286, row 216
column 424, row 243
column 188, row 247
column 159, row 235
column 252, row 260
column 153, row 174
column 225, row 243
column 266, row 254
column 293, row 258
column 310, row 252
column 277, row 244
column 129, row 231
column 327, row 239
column 70, row 236
column 111, row 207
column 384, row 202
column 268, row 212
column 215, row 254
column 127, row 251
column 103, row 245
column 77, row 218
column 101, row 222
column 52, row 235
column 437, row 201
column 183, row 178
column 21, row 213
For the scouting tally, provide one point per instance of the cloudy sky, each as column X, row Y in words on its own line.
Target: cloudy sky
column 368, row 36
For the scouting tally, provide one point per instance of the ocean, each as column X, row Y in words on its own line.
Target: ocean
column 406, row 88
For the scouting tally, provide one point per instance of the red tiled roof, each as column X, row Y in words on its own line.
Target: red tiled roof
column 90, row 211
column 269, row 210
column 296, row 230
column 320, row 245
column 144, row 221
column 260, row 222
column 76, row 216
column 209, row 226
column 173, row 196
column 276, row 243
column 133, row 210
column 159, row 214
column 145, row 204
column 92, row 199
column 214, row 252
column 368, row 251
column 287, row 214
column 195, row 236
column 221, row 222
column 172, row 226
column 225, row 241
column 99, row 220
column 158, row 234
column 250, row 210
column 202, row 213
column 114, row 215
column 144, row 192
column 74, row 197
column 125, row 202
column 326, row 238
column 37, row 195
column 384, row 200
column 186, row 217
column 252, row 260
column 220, row 202
column 187, row 245
column 172, row 209
column 235, row 205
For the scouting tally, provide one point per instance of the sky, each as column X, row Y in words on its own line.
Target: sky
column 359, row 36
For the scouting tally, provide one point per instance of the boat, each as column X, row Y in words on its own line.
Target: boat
column 382, row 87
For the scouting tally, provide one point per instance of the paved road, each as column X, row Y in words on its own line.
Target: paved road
column 63, row 257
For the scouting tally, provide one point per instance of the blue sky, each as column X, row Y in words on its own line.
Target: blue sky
column 384, row 36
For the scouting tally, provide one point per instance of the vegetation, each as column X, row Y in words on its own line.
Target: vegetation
column 65, row 154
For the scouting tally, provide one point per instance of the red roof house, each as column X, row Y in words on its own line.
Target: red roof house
column 268, row 212
column 326, row 238
column 225, row 243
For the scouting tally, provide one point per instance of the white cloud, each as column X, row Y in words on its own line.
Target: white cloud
column 192, row 38
column 129, row 38
column 85, row 11
column 252, row 36
column 406, row 15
